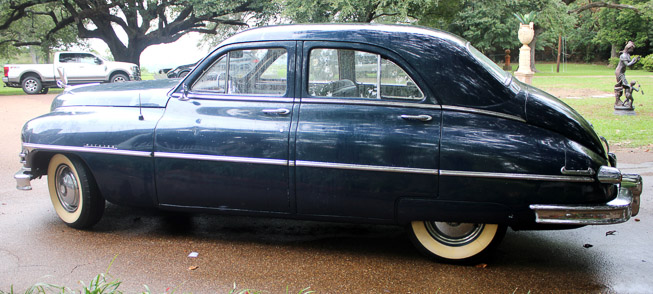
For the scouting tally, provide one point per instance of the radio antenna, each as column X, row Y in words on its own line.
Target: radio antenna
column 140, row 108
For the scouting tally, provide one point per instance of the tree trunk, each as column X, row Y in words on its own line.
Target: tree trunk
column 613, row 51
column 130, row 53
column 32, row 53
column 559, row 47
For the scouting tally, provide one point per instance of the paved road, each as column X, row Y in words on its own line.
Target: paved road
column 270, row 254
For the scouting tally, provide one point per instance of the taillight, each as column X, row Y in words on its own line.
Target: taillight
column 6, row 71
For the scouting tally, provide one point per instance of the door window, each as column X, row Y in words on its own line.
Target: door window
column 251, row 71
column 345, row 73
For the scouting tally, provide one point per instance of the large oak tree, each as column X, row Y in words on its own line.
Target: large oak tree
column 126, row 26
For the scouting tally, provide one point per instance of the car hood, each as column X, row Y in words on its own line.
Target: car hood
column 547, row 111
column 144, row 93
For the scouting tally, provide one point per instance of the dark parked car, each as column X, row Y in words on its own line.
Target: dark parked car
column 180, row 71
column 354, row 123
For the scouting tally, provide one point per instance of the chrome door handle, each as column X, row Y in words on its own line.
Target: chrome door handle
column 422, row 117
column 280, row 111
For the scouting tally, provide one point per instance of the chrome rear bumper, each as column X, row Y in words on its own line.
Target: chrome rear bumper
column 616, row 211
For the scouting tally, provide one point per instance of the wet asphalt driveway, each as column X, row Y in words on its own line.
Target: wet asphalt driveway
column 274, row 255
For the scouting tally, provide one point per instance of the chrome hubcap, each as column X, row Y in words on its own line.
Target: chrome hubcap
column 30, row 85
column 454, row 234
column 119, row 79
column 67, row 188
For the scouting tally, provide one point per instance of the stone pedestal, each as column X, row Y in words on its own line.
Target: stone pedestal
column 524, row 73
column 526, row 78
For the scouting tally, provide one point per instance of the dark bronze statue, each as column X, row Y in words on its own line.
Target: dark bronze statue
column 622, row 84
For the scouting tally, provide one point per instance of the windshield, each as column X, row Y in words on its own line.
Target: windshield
column 489, row 65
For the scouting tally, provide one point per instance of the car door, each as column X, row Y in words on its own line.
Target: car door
column 81, row 66
column 367, row 134
column 224, row 144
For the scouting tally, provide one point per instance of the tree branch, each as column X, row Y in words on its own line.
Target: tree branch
column 602, row 4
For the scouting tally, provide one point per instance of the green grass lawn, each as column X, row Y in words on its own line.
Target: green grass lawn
column 590, row 85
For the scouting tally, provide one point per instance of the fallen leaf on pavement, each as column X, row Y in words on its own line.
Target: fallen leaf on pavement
column 481, row 265
column 610, row 233
column 588, row 245
column 192, row 268
column 637, row 219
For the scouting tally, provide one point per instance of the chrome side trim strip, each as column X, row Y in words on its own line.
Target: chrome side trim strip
column 513, row 176
column 224, row 97
column 302, row 163
column 90, row 149
column 581, row 172
column 378, row 168
column 486, row 112
column 235, row 159
column 370, row 103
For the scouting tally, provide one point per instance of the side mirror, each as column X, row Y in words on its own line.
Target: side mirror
column 98, row 61
column 62, row 79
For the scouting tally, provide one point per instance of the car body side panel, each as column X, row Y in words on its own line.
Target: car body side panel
column 112, row 141
column 342, row 151
column 497, row 160
column 236, row 156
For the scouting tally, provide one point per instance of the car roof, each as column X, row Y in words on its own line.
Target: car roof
column 375, row 34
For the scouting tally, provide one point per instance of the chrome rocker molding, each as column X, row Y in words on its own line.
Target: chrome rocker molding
column 618, row 210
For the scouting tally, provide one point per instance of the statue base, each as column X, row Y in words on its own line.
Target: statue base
column 625, row 111
column 524, row 77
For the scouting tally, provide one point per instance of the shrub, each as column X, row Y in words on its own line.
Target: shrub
column 637, row 65
column 647, row 62
column 613, row 61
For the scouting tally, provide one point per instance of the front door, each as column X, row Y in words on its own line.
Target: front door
column 225, row 144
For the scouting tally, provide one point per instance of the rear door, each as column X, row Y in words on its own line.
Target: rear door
column 225, row 146
column 367, row 134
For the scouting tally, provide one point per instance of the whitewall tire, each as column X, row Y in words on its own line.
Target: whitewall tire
column 73, row 192
column 455, row 242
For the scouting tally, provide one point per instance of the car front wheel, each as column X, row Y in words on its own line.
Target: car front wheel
column 73, row 192
column 117, row 78
column 455, row 242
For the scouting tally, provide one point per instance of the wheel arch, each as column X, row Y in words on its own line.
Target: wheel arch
column 411, row 209
column 26, row 74
column 118, row 71
column 40, row 159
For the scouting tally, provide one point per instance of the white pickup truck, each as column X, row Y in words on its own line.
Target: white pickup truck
column 79, row 67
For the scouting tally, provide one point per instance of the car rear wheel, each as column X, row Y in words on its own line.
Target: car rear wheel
column 73, row 192
column 32, row 85
column 117, row 78
column 455, row 242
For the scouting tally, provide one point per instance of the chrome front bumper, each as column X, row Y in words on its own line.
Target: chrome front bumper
column 616, row 211
column 23, row 178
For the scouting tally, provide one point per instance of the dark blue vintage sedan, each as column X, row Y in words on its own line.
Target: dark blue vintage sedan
column 354, row 123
